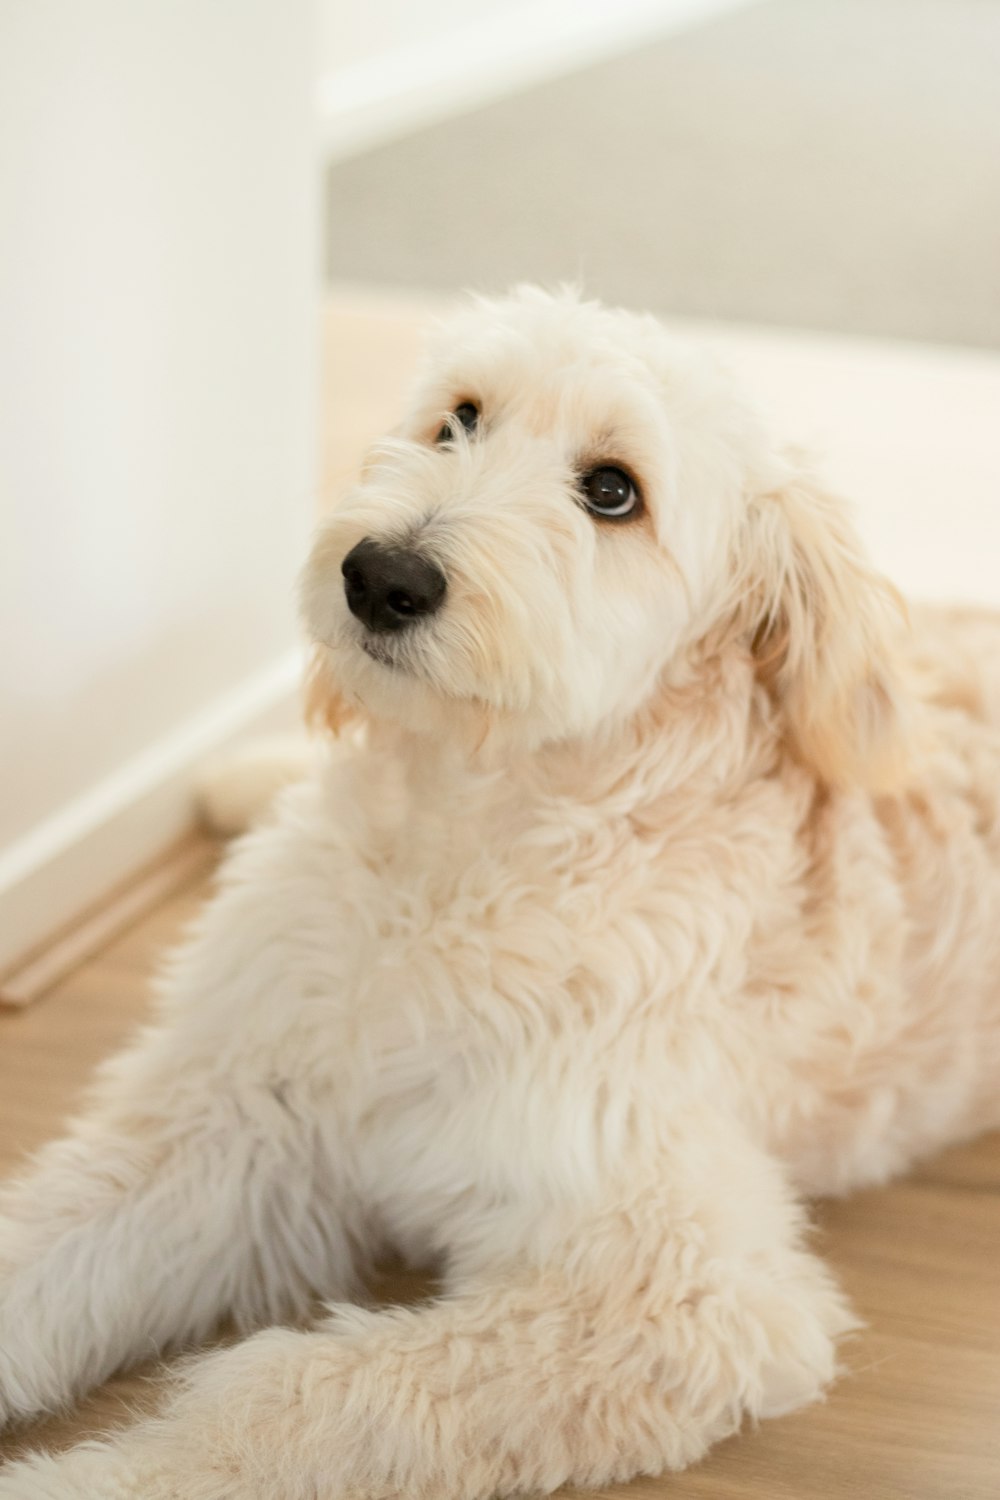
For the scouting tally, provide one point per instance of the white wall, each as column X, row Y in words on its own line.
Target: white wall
column 391, row 66
column 353, row 33
column 158, row 276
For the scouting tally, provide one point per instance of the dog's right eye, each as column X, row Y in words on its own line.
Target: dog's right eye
column 608, row 492
column 466, row 415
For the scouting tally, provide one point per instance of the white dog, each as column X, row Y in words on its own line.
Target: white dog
column 663, row 890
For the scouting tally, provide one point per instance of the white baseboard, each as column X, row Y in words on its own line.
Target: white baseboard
column 86, row 849
column 403, row 89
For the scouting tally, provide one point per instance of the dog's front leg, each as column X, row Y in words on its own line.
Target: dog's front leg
column 142, row 1229
column 624, row 1341
column 207, row 1178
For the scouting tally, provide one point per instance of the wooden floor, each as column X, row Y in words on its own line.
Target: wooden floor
column 916, row 1415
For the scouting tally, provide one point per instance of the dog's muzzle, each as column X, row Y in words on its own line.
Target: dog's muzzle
column 388, row 587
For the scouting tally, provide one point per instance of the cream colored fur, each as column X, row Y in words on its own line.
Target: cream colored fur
column 661, row 891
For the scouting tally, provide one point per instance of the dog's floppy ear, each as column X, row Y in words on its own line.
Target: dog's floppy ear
column 820, row 623
column 326, row 706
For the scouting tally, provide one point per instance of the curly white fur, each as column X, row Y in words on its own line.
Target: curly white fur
column 661, row 888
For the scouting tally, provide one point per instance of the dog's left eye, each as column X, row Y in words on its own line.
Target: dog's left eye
column 466, row 414
column 609, row 493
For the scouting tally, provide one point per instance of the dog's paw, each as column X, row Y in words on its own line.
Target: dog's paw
column 33, row 1382
column 133, row 1468
column 15, row 1401
column 800, row 1330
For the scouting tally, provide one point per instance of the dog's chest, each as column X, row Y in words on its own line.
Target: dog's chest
column 493, row 937
column 514, row 1008
column 492, row 1025
column 472, row 923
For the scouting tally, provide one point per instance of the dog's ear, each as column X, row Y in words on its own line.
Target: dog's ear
column 821, row 624
column 326, row 705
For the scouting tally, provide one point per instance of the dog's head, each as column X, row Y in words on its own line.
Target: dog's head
column 575, row 506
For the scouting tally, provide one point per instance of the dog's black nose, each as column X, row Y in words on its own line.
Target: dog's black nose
column 390, row 587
